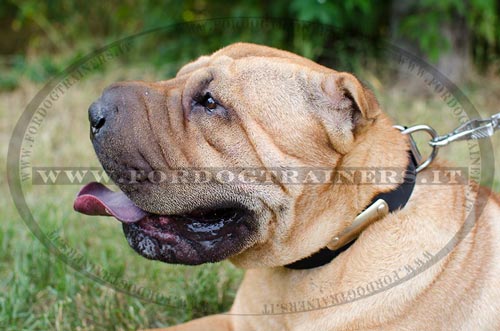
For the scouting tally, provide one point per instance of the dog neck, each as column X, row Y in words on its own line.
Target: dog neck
column 379, row 206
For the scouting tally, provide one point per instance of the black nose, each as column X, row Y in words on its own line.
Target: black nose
column 97, row 117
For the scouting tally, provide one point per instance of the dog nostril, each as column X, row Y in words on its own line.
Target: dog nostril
column 96, row 123
column 97, row 117
column 100, row 123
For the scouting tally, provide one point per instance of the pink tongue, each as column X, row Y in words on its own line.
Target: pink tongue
column 97, row 199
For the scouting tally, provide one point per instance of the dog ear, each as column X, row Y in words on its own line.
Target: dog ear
column 351, row 107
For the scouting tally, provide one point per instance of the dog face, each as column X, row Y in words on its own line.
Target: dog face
column 244, row 107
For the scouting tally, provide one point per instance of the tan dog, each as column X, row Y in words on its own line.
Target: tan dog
column 250, row 106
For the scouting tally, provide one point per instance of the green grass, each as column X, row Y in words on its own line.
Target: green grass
column 40, row 292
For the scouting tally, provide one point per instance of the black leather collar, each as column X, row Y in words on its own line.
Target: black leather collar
column 396, row 199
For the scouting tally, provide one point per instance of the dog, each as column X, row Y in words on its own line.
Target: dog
column 427, row 262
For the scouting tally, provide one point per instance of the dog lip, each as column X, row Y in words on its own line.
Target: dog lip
column 181, row 239
column 202, row 235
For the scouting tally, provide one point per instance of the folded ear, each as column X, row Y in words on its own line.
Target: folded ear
column 350, row 107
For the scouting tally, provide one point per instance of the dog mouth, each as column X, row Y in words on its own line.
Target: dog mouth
column 199, row 236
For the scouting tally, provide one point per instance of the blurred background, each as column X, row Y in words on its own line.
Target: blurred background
column 40, row 40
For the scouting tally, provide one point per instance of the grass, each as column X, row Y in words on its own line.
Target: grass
column 38, row 291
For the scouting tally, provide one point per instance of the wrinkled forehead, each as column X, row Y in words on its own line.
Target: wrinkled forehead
column 241, row 51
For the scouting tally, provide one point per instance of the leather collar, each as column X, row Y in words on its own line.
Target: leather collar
column 395, row 199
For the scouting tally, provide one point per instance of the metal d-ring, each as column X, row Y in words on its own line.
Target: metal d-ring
column 409, row 131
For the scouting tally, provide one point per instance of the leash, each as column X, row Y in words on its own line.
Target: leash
column 386, row 203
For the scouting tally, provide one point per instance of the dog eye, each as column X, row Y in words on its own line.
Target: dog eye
column 208, row 102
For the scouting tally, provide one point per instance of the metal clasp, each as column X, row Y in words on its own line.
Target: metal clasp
column 473, row 129
column 421, row 165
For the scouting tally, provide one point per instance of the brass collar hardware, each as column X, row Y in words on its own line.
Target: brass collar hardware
column 376, row 211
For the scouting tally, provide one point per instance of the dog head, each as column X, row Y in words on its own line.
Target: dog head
column 202, row 158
